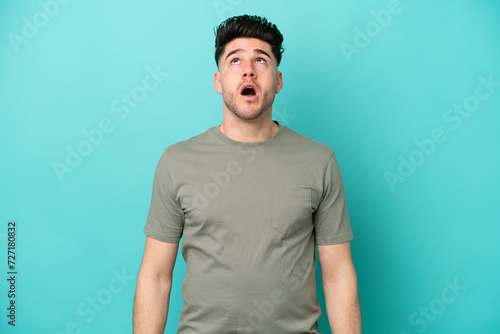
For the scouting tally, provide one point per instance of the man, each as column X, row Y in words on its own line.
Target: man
column 251, row 197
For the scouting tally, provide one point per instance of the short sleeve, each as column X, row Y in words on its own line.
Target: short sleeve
column 331, row 220
column 165, row 220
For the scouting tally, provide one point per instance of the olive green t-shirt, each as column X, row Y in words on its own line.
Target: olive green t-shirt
column 249, row 214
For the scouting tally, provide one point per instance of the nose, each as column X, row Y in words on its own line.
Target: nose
column 249, row 71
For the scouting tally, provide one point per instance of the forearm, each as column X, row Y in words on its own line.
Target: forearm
column 151, row 306
column 342, row 305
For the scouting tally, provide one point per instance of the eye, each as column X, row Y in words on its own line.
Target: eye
column 261, row 60
column 233, row 60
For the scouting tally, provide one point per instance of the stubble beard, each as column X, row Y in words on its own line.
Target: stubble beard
column 230, row 102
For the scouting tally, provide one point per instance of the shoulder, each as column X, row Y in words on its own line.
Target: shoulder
column 308, row 146
column 190, row 145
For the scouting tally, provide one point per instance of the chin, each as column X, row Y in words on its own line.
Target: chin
column 248, row 116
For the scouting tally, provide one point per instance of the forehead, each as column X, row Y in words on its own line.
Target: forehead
column 247, row 45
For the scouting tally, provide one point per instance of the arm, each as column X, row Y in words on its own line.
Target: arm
column 154, row 282
column 340, row 287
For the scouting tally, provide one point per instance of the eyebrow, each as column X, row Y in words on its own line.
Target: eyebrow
column 255, row 50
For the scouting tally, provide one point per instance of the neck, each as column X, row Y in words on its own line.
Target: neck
column 249, row 132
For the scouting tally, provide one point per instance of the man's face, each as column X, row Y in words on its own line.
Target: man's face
column 248, row 78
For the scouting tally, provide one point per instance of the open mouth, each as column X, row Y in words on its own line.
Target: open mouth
column 249, row 90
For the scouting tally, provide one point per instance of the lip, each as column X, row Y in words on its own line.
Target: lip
column 249, row 97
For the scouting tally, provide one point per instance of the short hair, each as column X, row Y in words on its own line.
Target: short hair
column 246, row 26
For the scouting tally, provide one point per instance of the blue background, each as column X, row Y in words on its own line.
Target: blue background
column 78, row 232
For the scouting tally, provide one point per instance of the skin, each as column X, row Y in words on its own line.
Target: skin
column 340, row 287
column 154, row 283
column 244, row 120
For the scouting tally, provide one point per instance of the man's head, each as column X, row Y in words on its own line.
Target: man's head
column 248, row 52
column 246, row 26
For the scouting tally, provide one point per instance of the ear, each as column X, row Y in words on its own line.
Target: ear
column 217, row 83
column 279, row 81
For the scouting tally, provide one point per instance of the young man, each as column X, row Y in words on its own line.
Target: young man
column 251, row 197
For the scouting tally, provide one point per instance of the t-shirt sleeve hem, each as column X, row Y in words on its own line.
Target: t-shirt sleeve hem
column 335, row 240
column 161, row 237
